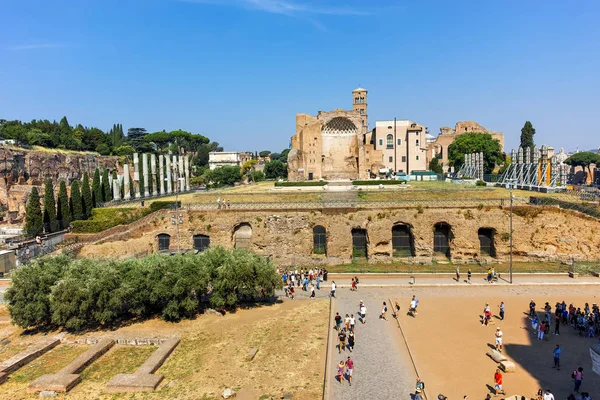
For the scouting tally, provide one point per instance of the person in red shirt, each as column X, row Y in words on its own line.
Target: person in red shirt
column 498, row 383
column 349, row 369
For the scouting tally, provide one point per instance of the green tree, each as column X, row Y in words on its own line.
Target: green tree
column 527, row 133
column 275, row 170
column 28, row 296
column 103, row 149
column 150, row 183
column 264, row 153
column 50, row 223
column 63, row 212
column 435, row 166
column 584, row 159
column 96, row 189
column 76, row 202
column 124, row 150
column 225, row 176
column 468, row 143
column 86, row 196
column 34, row 222
column 106, row 189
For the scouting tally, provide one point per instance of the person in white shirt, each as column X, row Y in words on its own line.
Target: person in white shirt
column 332, row 289
column 363, row 313
column 499, row 339
column 548, row 395
column 352, row 322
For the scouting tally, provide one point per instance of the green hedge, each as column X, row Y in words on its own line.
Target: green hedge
column 378, row 182
column 161, row 205
column 106, row 218
column 59, row 292
column 303, row 183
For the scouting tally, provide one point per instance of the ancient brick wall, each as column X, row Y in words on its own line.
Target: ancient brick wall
column 287, row 236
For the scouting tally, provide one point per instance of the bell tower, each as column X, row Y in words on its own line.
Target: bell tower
column 359, row 102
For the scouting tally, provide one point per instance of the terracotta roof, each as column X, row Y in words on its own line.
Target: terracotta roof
column 359, row 90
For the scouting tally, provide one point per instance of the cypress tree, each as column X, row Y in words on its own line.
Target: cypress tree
column 141, row 176
column 122, row 188
column 131, row 187
column 77, row 210
column 96, row 189
column 86, row 196
column 50, row 224
column 63, row 213
column 527, row 133
column 34, row 222
column 106, row 189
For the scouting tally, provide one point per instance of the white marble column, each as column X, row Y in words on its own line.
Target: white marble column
column 161, row 173
column 181, row 174
column 187, row 172
column 153, row 172
column 136, row 175
column 168, row 170
column 126, row 183
column 116, row 189
column 145, row 172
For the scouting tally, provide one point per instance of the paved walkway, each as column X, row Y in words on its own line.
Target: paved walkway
column 382, row 368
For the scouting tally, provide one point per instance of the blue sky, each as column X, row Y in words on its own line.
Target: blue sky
column 239, row 70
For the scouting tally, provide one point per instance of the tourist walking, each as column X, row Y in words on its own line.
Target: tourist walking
column 347, row 322
column 340, row 371
column 383, row 311
column 487, row 315
column 457, row 274
column 363, row 312
column 350, row 345
column 556, row 355
column 342, row 338
column 352, row 322
column 469, row 276
column 502, row 309
column 332, row 289
column 498, row 339
column 532, row 312
column 498, row 383
column 548, row 395
column 412, row 308
column 338, row 321
column 577, row 376
column 539, row 395
column 541, row 330
column 312, row 292
column 349, row 369
column 353, row 285
column 420, row 385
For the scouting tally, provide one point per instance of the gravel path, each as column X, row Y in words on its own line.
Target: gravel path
column 382, row 368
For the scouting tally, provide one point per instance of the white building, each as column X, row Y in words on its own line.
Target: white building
column 403, row 144
column 218, row 159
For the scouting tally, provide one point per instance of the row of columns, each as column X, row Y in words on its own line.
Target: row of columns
column 170, row 167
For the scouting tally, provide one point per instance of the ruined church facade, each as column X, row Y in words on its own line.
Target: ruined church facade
column 334, row 145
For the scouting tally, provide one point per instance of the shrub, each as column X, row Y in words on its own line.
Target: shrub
column 161, row 205
column 106, row 218
column 379, row 182
column 28, row 296
column 480, row 183
column 81, row 294
column 302, row 183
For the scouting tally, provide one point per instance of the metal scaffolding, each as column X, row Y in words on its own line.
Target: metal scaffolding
column 534, row 170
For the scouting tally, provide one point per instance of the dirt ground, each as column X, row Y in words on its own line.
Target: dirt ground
column 449, row 344
column 290, row 337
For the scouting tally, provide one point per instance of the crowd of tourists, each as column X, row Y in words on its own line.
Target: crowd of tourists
column 307, row 279
column 345, row 328
column 586, row 320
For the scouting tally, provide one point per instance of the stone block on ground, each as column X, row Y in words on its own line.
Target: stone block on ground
column 143, row 379
column 131, row 383
column 3, row 377
column 32, row 352
column 507, row 366
column 228, row 393
column 252, row 354
column 48, row 393
column 68, row 377
column 60, row 383
column 496, row 356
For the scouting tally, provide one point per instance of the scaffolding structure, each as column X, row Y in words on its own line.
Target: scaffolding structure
column 534, row 170
column 472, row 167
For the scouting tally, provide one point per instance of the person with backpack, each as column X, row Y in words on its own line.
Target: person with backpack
column 532, row 312
column 338, row 320
column 577, row 377
column 383, row 311
column 420, row 385
column 342, row 338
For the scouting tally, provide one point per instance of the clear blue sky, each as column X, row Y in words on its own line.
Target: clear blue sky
column 239, row 70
